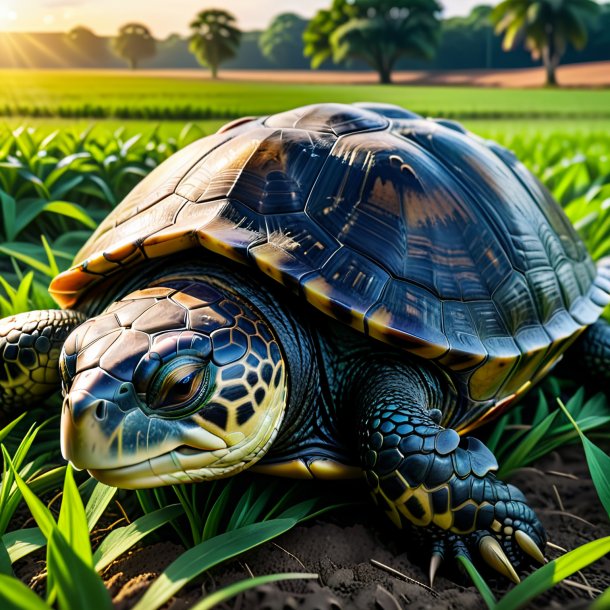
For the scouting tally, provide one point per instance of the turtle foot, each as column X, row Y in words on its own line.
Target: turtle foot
column 512, row 538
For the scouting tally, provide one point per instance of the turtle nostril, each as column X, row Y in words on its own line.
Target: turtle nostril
column 100, row 410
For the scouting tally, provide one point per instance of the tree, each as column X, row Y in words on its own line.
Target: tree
column 214, row 39
column 546, row 26
column 317, row 35
column 377, row 32
column 134, row 43
column 282, row 41
column 90, row 47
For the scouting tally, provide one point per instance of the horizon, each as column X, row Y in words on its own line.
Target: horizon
column 50, row 16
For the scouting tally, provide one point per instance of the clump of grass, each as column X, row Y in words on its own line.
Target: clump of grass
column 525, row 434
column 542, row 438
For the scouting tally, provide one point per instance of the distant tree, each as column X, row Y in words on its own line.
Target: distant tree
column 546, row 26
column 377, row 32
column 134, row 43
column 214, row 38
column 173, row 39
column 283, row 39
column 318, row 33
column 86, row 43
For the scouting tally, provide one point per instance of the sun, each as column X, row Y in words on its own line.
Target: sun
column 7, row 12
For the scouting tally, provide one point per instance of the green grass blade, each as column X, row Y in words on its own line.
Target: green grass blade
column 598, row 462
column 478, row 581
column 519, row 456
column 217, row 512
column 299, row 511
column 120, row 540
column 599, row 467
column 552, row 573
column 22, row 542
column 10, row 427
column 5, row 560
column 209, row 553
column 602, row 602
column 72, row 520
column 42, row 515
column 14, row 595
column 76, row 583
column 71, row 210
column 226, row 593
column 99, row 500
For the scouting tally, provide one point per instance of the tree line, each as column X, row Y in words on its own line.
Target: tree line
column 383, row 35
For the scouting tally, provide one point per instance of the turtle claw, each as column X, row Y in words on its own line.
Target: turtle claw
column 494, row 556
column 435, row 562
column 529, row 547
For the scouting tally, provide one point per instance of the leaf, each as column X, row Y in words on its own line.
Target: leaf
column 597, row 460
column 519, row 456
column 217, row 512
column 72, row 520
column 76, row 583
column 478, row 581
column 120, row 540
column 5, row 560
column 10, row 427
column 9, row 215
column 22, row 542
column 599, row 467
column 99, row 500
column 71, row 210
column 552, row 573
column 14, row 595
column 602, row 602
column 42, row 515
column 222, row 595
column 206, row 555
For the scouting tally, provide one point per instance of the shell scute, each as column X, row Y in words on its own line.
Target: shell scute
column 465, row 347
column 336, row 119
column 346, row 286
column 411, row 315
column 295, row 247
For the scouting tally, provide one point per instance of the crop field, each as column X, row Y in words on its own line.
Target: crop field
column 59, row 177
column 73, row 94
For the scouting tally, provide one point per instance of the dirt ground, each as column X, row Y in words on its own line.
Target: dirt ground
column 592, row 74
column 340, row 546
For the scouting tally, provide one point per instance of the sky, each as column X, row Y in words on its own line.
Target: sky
column 163, row 17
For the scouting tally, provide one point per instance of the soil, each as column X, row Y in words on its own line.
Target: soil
column 340, row 546
column 591, row 74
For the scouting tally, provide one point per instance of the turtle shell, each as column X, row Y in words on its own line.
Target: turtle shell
column 412, row 231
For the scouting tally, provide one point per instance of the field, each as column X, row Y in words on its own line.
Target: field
column 61, row 173
column 73, row 94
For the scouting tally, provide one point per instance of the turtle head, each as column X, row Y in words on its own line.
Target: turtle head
column 175, row 383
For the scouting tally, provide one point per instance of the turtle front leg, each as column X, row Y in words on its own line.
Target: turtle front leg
column 426, row 475
column 590, row 354
column 30, row 345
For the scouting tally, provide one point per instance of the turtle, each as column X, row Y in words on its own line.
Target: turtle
column 334, row 291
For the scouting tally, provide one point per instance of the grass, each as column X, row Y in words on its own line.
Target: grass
column 36, row 93
column 60, row 177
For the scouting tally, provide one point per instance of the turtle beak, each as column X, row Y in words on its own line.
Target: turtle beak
column 99, row 435
column 83, row 421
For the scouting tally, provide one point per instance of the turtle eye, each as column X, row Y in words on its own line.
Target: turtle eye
column 180, row 386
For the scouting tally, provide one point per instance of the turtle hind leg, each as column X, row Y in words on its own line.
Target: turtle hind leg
column 30, row 346
column 590, row 354
column 426, row 476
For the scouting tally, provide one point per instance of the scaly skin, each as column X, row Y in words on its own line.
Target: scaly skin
column 30, row 345
column 590, row 354
column 425, row 475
